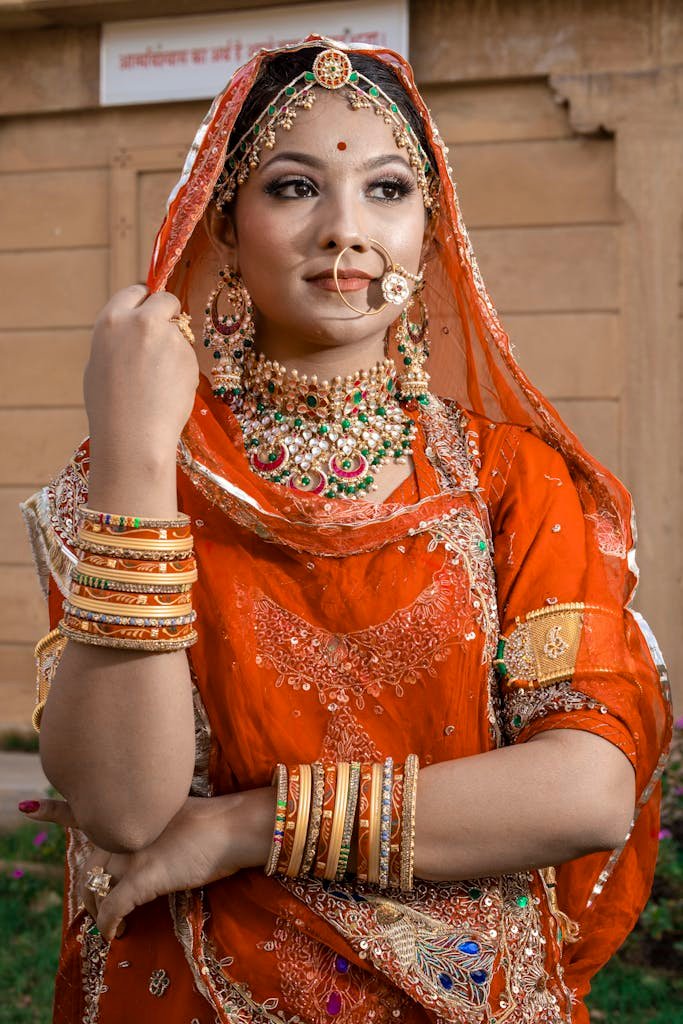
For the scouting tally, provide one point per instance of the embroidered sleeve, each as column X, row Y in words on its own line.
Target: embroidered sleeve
column 562, row 660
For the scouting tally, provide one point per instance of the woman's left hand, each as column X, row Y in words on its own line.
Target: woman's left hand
column 209, row 838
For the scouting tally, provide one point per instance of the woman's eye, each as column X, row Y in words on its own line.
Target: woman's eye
column 292, row 188
column 390, row 190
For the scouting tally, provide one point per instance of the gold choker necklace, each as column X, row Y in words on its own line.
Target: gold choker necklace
column 322, row 437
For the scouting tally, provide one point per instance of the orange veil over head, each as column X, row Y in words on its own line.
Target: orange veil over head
column 280, row 536
column 471, row 361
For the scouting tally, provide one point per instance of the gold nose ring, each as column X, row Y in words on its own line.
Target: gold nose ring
column 394, row 282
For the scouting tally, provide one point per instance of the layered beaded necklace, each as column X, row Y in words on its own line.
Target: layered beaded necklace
column 321, row 437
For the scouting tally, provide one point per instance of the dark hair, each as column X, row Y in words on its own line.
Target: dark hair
column 278, row 71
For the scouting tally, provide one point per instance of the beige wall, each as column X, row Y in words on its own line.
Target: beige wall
column 566, row 138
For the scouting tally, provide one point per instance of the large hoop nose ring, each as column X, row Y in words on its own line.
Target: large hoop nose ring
column 394, row 282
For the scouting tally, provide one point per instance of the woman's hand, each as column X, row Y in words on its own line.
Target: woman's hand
column 140, row 379
column 208, row 839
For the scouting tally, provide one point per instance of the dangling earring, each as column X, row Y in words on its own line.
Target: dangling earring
column 413, row 345
column 230, row 335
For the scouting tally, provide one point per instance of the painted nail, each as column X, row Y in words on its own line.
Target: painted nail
column 28, row 806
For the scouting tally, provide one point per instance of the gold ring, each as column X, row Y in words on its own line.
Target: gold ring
column 393, row 268
column 98, row 881
column 183, row 321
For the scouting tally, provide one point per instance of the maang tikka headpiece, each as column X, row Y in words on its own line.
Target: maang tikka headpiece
column 332, row 69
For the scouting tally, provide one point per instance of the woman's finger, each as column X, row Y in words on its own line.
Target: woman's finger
column 97, row 859
column 134, row 890
column 57, row 811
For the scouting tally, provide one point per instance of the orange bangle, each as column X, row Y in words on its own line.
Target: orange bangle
column 329, row 795
column 293, row 790
column 363, row 821
column 302, row 816
column 396, row 821
column 374, row 830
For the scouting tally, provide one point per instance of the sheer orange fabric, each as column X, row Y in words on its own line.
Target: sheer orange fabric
column 348, row 629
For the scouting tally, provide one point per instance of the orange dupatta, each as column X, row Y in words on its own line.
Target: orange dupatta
column 340, row 629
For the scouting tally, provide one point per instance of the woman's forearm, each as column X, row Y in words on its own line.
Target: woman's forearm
column 117, row 731
column 563, row 794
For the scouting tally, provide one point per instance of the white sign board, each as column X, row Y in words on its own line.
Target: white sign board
column 187, row 58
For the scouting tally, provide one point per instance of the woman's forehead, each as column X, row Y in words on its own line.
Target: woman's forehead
column 331, row 129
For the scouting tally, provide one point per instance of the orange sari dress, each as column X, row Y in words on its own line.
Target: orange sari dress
column 354, row 631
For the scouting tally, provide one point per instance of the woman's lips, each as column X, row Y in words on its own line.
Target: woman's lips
column 346, row 284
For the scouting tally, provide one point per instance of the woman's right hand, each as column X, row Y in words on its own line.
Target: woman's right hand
column 140, row 380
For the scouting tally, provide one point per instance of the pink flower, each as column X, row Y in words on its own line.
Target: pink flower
column 679, row 723
column 664, row 833
column 40, row 838
column 17, row 873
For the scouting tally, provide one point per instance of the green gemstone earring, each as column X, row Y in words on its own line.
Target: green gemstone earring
column 230, row 335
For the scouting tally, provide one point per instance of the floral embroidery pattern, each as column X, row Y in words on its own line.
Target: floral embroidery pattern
column 444, row 944
column 94, row 951
column 350, row 667
column 319, row 983
column 521, row 706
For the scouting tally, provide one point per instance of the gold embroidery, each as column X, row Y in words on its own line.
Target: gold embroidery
column 48, row 652
column 542, row 649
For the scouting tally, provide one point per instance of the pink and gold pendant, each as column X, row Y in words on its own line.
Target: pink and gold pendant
column 270, row 465
column 317, row 482
column 358, row 466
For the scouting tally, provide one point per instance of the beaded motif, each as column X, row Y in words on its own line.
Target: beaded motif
column 397, row 651
column 521, row 707
column 320, row 984
column 443, row 943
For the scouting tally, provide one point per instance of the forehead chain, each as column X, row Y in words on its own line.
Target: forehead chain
column 332, row 70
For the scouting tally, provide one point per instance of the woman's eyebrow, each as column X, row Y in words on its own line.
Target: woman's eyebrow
column 314, row 161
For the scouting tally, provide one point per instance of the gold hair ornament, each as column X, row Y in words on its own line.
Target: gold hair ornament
column 332, row 70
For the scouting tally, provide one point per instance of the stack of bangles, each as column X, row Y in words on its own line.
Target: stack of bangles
column 321, row 807
column 131, row 585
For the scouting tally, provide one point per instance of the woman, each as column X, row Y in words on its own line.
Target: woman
column 385, row 578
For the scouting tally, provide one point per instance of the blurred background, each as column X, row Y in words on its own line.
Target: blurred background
column 565, row 124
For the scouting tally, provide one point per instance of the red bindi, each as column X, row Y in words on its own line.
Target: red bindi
column 341, row 145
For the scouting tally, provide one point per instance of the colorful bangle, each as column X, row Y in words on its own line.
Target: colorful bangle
column 293, row 791
column 410, row 775
column 317, row 788
column 131, row 522
column 105, row 586
column 374, row 816
column 116, row 541
column 134, row 570
column 128, row 621
column 84, row 604
column 396, row 821
column 329, row 795
column 129, row 599
column 351, row 803
column 280, row 782
column 104, row 635
column 385, row 822
column 147, row 554
column 302, row 817
column 363, row 821
column 338, row 819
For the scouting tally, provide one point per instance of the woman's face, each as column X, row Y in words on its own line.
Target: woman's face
column 336, row 179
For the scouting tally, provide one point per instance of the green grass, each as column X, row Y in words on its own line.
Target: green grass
column 30, row 926
column 624, row 993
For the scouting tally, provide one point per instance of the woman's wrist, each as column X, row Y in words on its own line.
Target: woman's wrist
column 138, row 483
column 250, row 830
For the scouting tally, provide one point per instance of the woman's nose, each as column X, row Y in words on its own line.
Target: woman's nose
column 338, row 239
column 342, row 228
